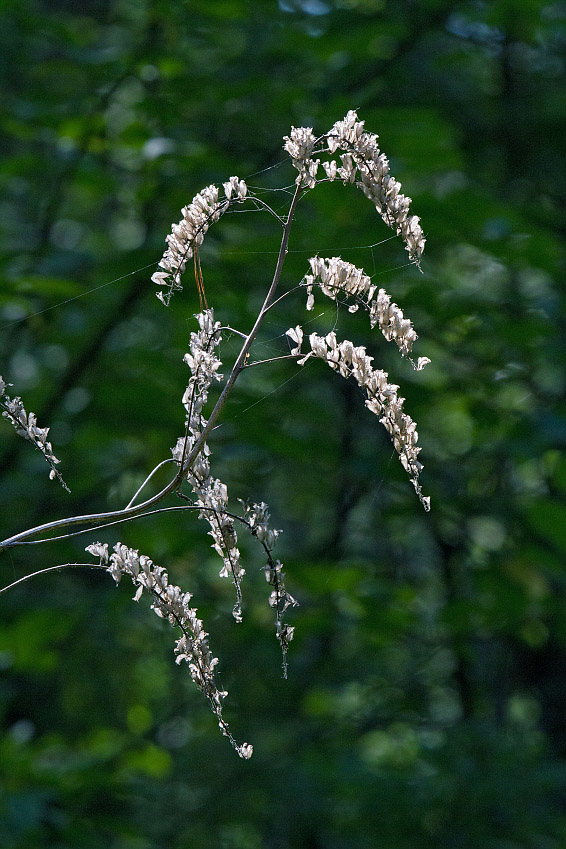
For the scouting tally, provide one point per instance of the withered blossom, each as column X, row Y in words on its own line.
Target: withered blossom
column 365, row 165
column 187, row 236
column 382, row 398
column 358, row 161
column 171, row 603
column 25, row 425
column 334, row 276
column 211, row 493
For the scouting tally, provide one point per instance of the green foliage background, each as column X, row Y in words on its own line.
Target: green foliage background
column 425, row 704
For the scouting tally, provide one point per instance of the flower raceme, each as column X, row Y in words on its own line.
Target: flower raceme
column 382, row 398
column 335, row 277
column 187, row 236
column 362, row 163
column 171, row 603
column 211, row 493
column 25, row 425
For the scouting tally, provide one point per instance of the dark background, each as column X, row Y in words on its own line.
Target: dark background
column 425, row 703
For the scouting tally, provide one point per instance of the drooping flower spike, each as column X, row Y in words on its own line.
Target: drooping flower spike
column 362, row 163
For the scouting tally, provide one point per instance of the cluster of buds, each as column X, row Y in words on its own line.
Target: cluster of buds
column 171, row 603
column 280, row 600
column 382, row 398
column 187, row 236
column 204, row 364
column 257, row 516
column 212, row 498
column 25, row 425
column 235, row 188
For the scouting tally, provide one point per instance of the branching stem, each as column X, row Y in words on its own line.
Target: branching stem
column 131, row 512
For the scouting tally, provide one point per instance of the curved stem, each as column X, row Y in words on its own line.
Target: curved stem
column 284, row 295
column 146, row 481
column 129, row 519
column 233, row 330
column 268, row 208
column 49, row 569
column 131, row 512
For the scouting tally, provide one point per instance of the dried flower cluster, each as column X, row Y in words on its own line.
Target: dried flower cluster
column 382, row 398
column 362, row 164
column 187, row 236
column 257, row 519
column 212, row 494
column 334, row 277
column 171, row 603
column 300, row 145
column 25, row 425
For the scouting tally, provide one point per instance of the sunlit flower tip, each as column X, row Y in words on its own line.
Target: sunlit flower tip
column 382, row 398
column 300, row 143
column 245, row 751
column 99, row 549
column 187, row 235
column 25, row 426
column 296, row 334
column 421, row 363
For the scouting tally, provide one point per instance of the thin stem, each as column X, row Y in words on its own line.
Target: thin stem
column 127, row 519
column 49, row 569
column 232, row 330
column 146, row 481
column 268, row 208
column 284, row 295
column 106, row 525
column 273, row 360
column 92, row 518
column 239, row 364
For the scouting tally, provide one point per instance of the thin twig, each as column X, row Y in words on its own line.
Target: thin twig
column 146, row 481
column 49, row 569
column 273, row 360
